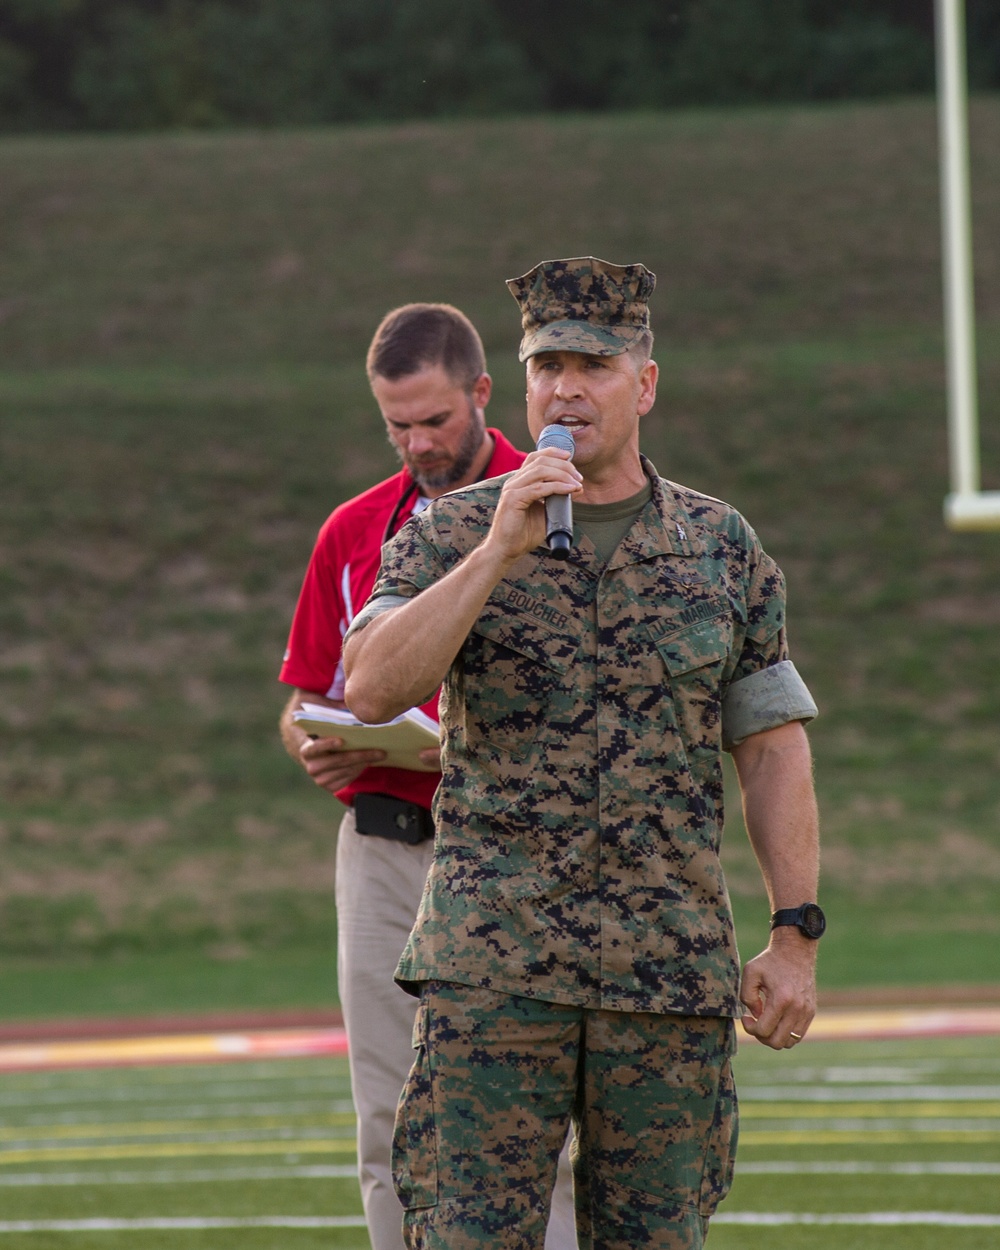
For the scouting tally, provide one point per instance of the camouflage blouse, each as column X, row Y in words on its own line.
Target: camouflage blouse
column 579, row 816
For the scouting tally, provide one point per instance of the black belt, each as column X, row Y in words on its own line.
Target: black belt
column 382, row 816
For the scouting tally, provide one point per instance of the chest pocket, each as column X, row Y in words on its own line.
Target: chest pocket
column 515, row 670
column 694, row 656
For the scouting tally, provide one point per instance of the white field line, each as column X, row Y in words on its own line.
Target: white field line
column 889, row 1124
column 885, row 1219
column 176, row 1150
column 35, row 1147
column 333, row 1171
column 869, row 1093
column 285, row 1142
column 985, row 1066
column 58, row 1088
column 189, row 1176
column 827, row 1113
column 343, row 1113
column 184, row 1176
column 979, row 1121
column 168, row 1102
column 181, row 1223
column 815, row 1136
column 888, row 1219
column 308, row 1125
column 864, row 1168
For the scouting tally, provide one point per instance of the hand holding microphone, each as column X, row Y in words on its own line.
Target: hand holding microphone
column 558, row 508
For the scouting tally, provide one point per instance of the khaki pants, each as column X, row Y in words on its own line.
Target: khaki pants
column 497, row 1079
column 378, row 888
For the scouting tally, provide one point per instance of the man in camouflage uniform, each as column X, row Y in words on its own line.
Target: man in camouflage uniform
column 574, row 951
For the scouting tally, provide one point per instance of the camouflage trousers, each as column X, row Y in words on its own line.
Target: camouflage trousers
column 487, row 1103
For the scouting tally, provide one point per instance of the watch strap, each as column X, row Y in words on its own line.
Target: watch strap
column 808, row 919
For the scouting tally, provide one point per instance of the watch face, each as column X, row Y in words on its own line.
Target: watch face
column 812, row 920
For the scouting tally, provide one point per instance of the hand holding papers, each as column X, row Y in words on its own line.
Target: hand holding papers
column 402, row 739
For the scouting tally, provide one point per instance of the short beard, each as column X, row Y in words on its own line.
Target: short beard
column 465, row 457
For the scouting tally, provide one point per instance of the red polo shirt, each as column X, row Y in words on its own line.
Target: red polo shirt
column 338, row 581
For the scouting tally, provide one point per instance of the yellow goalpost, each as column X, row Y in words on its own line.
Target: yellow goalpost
column 967, row 507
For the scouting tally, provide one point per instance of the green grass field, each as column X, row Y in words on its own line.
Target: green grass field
column 843, row 1144
column 182, row 334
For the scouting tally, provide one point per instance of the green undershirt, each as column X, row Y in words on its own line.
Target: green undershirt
column 606, row 524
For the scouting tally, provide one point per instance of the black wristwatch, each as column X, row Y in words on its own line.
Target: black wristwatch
column 808, row 919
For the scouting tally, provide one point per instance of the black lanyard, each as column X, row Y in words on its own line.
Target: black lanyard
column 408, row 494
column 401, row 503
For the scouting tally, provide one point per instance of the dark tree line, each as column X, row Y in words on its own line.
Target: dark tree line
column 146, row 64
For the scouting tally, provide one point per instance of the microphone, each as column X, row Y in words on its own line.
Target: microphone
column 558, row 508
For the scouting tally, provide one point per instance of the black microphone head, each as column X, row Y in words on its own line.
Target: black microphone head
column 560, row 544
column 556, row 436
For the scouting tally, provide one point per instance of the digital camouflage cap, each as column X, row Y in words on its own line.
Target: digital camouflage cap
column 582, row 305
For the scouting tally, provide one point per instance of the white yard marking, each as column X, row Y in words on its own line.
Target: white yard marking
column 859, row 1168
column 238, row 1127
column 330, row 1095
column 177, row 1150
column 870, row 1093
column 184, row 1176
column 870, row 1135
column 341, row 1112
column 934, row 1219
column 181, row 1223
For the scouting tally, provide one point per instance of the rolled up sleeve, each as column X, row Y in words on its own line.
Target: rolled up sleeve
column 765, row 700
column 374, row 607
column 408, row 566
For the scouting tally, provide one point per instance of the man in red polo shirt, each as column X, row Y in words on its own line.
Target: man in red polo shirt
column 427, row 371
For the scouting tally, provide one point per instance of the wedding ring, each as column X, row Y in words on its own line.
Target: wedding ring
column 797, row 1036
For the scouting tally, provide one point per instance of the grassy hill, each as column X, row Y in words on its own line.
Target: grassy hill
column 183, row 324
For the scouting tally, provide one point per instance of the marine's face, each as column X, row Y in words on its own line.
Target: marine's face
column 599, row 399
column 437, row 428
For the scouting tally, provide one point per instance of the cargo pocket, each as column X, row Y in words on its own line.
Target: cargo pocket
column 720, row 1155
column 414, row 1141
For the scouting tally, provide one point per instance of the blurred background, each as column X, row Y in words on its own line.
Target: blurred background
column 207, row 208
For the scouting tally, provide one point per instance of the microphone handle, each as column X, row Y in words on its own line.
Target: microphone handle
column 559, row 525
